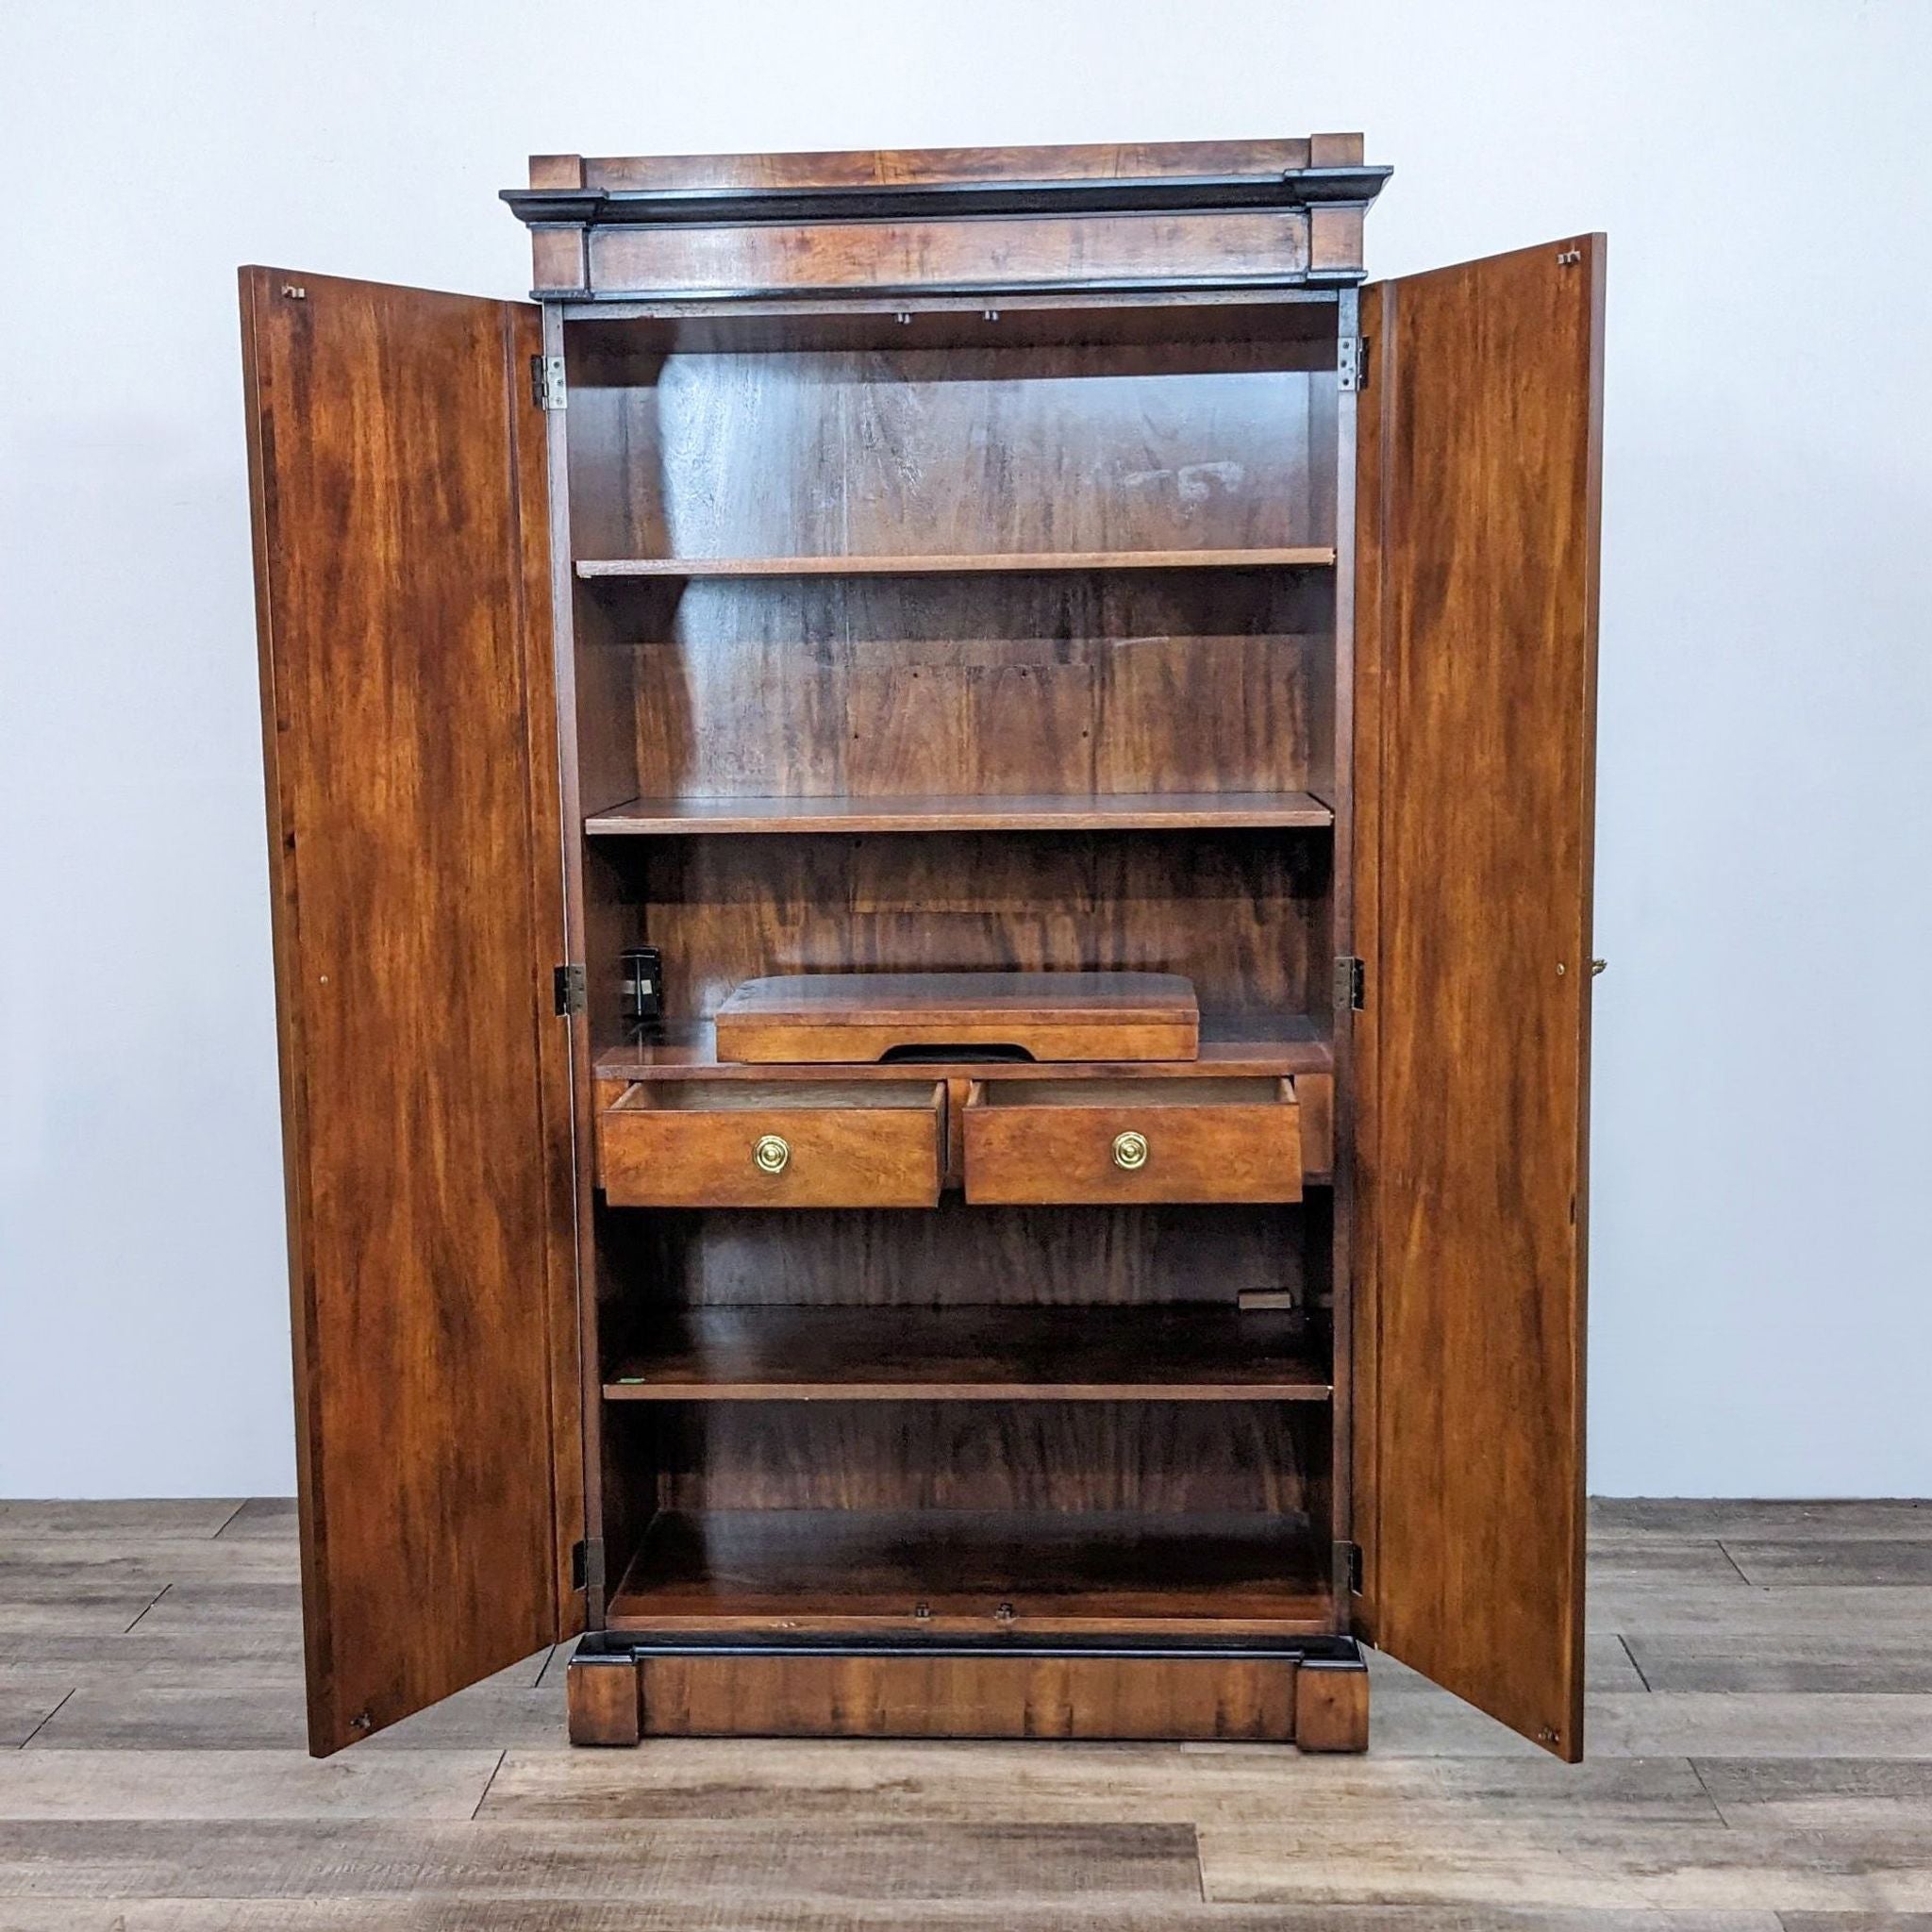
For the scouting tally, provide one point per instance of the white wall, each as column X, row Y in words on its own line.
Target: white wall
column 1762, row 1301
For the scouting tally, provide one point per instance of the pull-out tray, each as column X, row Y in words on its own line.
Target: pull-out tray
column 853, row 1018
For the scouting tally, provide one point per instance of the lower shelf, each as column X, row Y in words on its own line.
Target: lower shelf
column 1198, row 1353
column 843, row 1571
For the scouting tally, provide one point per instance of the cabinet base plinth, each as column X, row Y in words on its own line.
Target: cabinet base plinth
column 1312, row 1692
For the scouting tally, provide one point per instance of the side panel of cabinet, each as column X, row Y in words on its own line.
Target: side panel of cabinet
column 397, row 476
column 1477, row 508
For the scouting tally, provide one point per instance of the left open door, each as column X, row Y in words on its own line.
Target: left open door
column 396, row 464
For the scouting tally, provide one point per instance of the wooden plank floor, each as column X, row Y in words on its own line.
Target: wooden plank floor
column 1760, row 1739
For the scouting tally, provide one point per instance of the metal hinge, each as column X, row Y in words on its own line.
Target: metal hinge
column 1351, row 983
column 1353, row 361
column 1348, row 1563
column 547, row 387
column 567, row 987
column 587, row 1564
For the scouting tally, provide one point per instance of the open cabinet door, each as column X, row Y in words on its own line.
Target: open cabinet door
column 1477, row 568
column 396, row 462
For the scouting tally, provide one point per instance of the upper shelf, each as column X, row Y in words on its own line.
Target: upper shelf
column 1291, row 557
column 1182, row 812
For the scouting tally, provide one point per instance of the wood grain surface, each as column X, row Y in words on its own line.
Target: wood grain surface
column 1479, row 526
column 164, row 1786
column 414, row 849
column 1210, row 1699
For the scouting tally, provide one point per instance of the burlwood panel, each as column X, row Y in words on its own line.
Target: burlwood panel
column 413, row 841
column 1231, row 1698
column 991, row 253
column 1482, row 660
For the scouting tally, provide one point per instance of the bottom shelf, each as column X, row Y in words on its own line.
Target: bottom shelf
column 923, row 1572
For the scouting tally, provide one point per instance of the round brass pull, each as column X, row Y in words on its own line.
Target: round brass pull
column 772, row 1152
column 1129, row 1150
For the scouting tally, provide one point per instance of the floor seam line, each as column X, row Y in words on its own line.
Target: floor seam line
column 1697, row 1771
column 150, row 1604
column 1634, row 1664
column 48, row 1718
column 487, row 1784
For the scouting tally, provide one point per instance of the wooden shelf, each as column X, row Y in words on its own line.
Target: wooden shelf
column 804, row 1572
column 1264, row 1044
column 1200, row 1353
column 1286, row 556
column 1087, row 813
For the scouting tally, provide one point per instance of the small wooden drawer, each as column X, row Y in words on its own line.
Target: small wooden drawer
column 791, row 1143
column 1198, row 1138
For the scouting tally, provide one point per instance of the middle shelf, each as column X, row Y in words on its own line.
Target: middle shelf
column 1098, row 1353
column 1074, row 812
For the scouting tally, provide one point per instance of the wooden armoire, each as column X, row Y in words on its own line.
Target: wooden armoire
column 1040, row 593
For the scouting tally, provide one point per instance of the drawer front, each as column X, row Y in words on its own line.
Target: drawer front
column 690, row 1155
column 1046, row 1143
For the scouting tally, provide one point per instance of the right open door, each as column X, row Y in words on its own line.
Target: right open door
column 1478, row 453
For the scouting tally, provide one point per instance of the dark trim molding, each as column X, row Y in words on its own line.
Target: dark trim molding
column 600, row 1645
column 603, row 208
column 908, row 296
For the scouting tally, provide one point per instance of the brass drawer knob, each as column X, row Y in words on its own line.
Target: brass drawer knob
column 772, row 1153
column 1129, row 1150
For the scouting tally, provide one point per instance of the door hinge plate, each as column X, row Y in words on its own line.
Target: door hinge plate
column 1348, row 1565
column 587, row 1564
column 548, row 389
column 1351, row 983
column 1352, row 360
column 567, row 989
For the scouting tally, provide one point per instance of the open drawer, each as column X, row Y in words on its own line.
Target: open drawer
column 1047, row 1141
column 778, row 1143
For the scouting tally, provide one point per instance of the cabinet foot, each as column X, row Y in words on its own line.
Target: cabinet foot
column 603, row 1697
column 1332, row 1703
